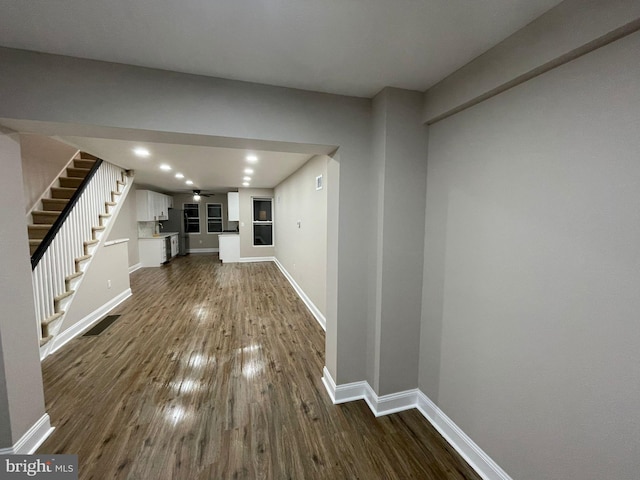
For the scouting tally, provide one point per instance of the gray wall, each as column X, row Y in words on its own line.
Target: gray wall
column 103, row 95
column 303, row 250
column 203, row 239
column 109, row 263
column 532, row 269
column 561, row 33
column 400, row 145
column 43, row 159
column 21, row 394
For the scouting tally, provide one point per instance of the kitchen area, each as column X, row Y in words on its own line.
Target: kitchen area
column 179, row 224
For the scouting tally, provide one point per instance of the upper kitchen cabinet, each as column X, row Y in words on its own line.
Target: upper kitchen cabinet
column 233, row 206
column 152, row 206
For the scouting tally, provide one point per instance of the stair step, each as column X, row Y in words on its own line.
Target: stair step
column 88, row 244
column 38, row 232
column 73, row 276
column 70, row 182
column 39, row 217
column 103, row 217
column 61, row 192
column 52, row 318
column 44, row 340
column 54, row 204
column 77, row 172
column 120, row 184
column 87, row 156
column 61, row 297
column 83, row 163
column 81, row 259
column 110, row 204
column 33, row 245
column 97, row 229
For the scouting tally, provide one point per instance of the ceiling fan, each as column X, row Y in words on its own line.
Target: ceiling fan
column 198, row 193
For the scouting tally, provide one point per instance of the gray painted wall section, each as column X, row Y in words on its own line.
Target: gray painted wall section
column 561, row 30
column 21, row 394
column 302, row 249
column 533, row 234
column 68, row 90
column 402, row 190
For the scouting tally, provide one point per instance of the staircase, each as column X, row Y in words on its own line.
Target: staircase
column 59, row 198
column 66, row 230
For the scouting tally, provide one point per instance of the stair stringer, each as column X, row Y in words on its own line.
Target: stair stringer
column 50, row 346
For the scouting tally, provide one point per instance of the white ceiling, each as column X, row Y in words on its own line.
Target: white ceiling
column 210, row 168
column 351, row 47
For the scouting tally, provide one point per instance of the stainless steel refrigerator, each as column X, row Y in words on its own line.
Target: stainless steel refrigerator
column 177, row 223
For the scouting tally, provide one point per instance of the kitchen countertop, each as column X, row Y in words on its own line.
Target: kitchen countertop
column 224, row 234
column 160, row 235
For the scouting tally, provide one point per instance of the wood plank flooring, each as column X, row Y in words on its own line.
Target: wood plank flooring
column 213, row 372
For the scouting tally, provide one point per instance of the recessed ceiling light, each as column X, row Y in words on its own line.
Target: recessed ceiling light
column 165, row 167
column 245, row 184
column 252, row 158
column 189, row 182
column 179, row 175
column 141, row 152
column 246, row 179
column 248, row 171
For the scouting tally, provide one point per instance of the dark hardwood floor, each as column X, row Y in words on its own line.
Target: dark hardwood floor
column 213, row 372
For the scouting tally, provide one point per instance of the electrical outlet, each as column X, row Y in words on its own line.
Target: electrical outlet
column 108, row 283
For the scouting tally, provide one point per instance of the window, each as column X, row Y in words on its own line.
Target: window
column 262, row 222
column 214, row 217
column 192, row 217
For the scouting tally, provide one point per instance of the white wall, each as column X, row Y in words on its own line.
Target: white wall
column 302, row 250
column 21, row 394
column 532, row 267
column 43, row 159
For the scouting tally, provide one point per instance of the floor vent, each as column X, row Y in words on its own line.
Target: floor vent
column 101, row 326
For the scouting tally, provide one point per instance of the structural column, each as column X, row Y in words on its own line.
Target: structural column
column 23, row 422
column 400, row 154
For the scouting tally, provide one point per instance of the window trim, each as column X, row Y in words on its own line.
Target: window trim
column 221, row 218
column 255, row 222
column 198, row 217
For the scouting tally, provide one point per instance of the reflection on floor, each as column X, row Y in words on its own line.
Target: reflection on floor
column 213, row 372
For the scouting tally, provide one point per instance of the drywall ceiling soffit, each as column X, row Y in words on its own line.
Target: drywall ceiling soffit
column 212, row 163
column 354, row 47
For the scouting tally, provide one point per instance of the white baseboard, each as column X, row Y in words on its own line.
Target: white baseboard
column 256, row 259
column 87, row 322
column 32, row 439
column 135, row 267
column 482, row 463
column 397, row 402
column 303, row 296
column 383, row 405
column 203, row 250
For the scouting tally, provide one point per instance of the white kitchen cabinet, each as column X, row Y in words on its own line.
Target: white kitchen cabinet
column 229, row 244
column 152, row 251
column 152, row 206
column 233, row 206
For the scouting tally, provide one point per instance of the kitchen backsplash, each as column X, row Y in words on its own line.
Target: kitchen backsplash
column 146, row 229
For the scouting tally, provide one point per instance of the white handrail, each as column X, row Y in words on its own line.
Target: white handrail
column 59, row 260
